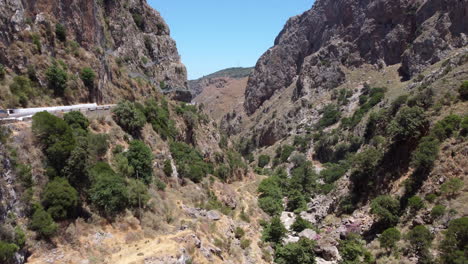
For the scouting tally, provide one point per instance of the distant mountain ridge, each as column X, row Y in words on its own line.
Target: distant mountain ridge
column 197, row 86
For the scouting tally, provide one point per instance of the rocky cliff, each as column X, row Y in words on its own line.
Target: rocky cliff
column 313, row 47
column 126, row 43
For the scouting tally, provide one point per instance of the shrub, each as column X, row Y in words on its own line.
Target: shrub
column 129, row 117
column 98, row 144
column 431, row 197
column 454, row 247
column 452, row 187
column 296, row 201
column 283, row 152
column 463, row 90
column 61, row 32
column 60, row 199
column 446, row 127
column 302, row 143
column 303, row 178
column 158, row 117
column 22, row 88
column 7, row 251
column 55, row 136
column 2, row 72
column 409, row 123
column 160, row 185
column 140, row 157
column 331, row 115
column 352, row 250
column 270, row 205
column 386, row 208
column 464, row 127
column 426, row 153
column 57, row 78
column 300, row 224
column 139, row 20
column 239, row 232
column 76, row 119
column 333, row 172
column 437, row 212
column 42, row 223
column 389, row 238
column 415, row 203
column 275, row 231
column 108, row 191
column 245, row 243
column 168, row 168
column 137, row 193
column 263, row 160
column 420, row 239
column 301, row 252
column 189, row 161
column 87, row 76
column 76, row 166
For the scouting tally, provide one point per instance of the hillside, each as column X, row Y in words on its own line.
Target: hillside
column 197, row 86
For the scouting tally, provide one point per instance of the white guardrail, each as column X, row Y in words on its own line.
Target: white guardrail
column 24, row 114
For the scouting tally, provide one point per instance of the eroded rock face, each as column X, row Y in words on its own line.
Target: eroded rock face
column 113, row 34
column 313, row 46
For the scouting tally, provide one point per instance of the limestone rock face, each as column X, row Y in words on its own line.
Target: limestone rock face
column 120, row 40
column 334, row 33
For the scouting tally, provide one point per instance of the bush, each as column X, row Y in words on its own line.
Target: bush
column 158, row 117
column 57, row 78
column 464, row 127
column 137, row 193
column 352, row 251
column 303, row 178
column 263, row 160
column 108, row 191
column 426, row 153
column 87, row 76
column 333, row 172
column 446, row 127
column 160, row 185
column 302, row 143
column 61, row 32
column 415, row 203
column 463, row 90
column 129, row 117
column 189, row 161
column 300, row 224
column 76, row 119
column 22, row 88
column 452, row 187
column 437, row 212
column 239, row 232
column 410, row 123
column 386, row 208
column 270, row 205
column 140, row 157
column 454, row 247
column 296, row 202
column 431, row 197
column 42, row 223
column 7, row 251
column 331, row 115
column 389, row 238
column 301, row 252
column 420, row 239
column 2, row 72
column 283, row 152
column 55, row 136
column 76, row 166
column 275, row 231
column 168, row 168
column 139, row 21
column 245, row 243
column 60, row 199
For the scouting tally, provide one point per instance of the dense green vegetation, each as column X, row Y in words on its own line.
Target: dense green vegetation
column 129, row 117
column 60, row 199
column 57, row 77
column 352, row 250
column 87, row 75
column 189, row 161
column 263, row 160
column 331, row 115
column 301, row 252
column 140, row 158
column 454, row 247
column 61, row 32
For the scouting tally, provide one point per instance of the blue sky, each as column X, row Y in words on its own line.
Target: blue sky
column 214, row 34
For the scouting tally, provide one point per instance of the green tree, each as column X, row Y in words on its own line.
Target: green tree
column 263, row 160
column 55, row 136
column 301, row 252
column 168, row 168
column 122, row 166
column 300, row 224
column 420, row 239
column 7, row 251
column 22, row 88
column 296, row 201
column 409, row 123
column 415, row 203
column 331, row 115
column 386, row 208
column 60, row 199
column 463, row 90
column 189, row 161
column 76, row 168
column 98, row 144
column 137, row 193
column 270, row 205
column 270, row 196
column 87, row 75
column 426, row 153
column 452, row 187
column 129, row 117
column 140, row 157
column 108, row 191
column 42, row 223
column 158, row 116
column 61, row 32
column 454, row 247
column 57, row 78
column 437, row 212
column 352, row 251
column 389, row 238
column 76, row 119
column 446, row 127
column 275, row 231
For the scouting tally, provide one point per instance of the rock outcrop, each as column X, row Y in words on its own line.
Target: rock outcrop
column 314, row 46
column 124, row 42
